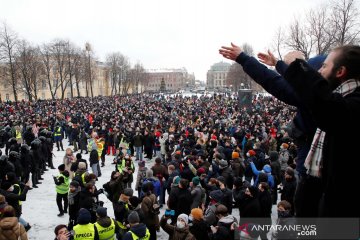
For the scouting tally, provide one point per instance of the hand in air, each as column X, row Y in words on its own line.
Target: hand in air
column 230, row 52
column 268, row 59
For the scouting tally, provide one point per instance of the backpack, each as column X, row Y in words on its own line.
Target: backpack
column 155, row 208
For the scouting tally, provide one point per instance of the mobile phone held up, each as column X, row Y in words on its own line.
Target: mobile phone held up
column 169, row 212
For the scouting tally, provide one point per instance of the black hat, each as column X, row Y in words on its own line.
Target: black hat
column 84, row 216
column 75, row 184
column 221, row 179
column 128, row 192
column 61, row 167
column 216, row 195
column 134, row 201
column 101, row 212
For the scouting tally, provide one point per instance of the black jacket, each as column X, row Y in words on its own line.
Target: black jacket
column 339, row 117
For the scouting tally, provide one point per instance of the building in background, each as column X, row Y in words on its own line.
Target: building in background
column 174, row 79
column 216, row 76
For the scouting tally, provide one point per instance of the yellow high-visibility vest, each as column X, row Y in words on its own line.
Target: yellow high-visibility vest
column 106, row 233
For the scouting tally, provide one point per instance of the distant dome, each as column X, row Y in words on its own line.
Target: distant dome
column 220, row 66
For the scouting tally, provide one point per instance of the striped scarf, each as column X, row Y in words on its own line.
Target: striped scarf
column 313, row 161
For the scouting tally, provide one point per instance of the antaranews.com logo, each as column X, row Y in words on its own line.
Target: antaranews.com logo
column 299, row 229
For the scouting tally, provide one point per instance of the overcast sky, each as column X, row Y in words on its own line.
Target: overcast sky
column 158, row 33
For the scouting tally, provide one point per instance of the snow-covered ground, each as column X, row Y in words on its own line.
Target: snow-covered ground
column 40, row 208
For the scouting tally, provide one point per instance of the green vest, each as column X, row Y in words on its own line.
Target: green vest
column 18, row 134
column 121, row 166
column 106, row 233
column 146, row 237
column 19, row 193
column 84, row 232
column 57, row 132
column 64, row 187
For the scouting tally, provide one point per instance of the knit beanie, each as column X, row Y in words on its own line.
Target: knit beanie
column 133, row 217
column 84, row 216
column 196, row 181
column 101, row 212
column 184, row 217
column 197, row 213
column 235, row 155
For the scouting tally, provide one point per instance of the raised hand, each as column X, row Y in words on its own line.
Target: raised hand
column 230, row 52
column 268, row 59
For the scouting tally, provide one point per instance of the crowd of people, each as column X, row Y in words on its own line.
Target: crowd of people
column 207, row 155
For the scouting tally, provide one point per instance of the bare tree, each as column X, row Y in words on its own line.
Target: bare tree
column 138, row 76
column 49, row 68
column 79, row 65
column 126, row 77
column 278, row 42
column 345, row 18
column 89, row 76
column 320, row 29
column 28, row 66
column 8, row 44
column 115, row 61
column 299, row 38
column 73, row 59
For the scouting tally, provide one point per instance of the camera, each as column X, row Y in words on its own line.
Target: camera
column 169, row 212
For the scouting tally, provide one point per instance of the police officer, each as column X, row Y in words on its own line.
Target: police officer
column 62, row 188
column 58, row 135
column 85, row 230
column 106, row 226
column 138, row 231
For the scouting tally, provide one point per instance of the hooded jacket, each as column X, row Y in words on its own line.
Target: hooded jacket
column 139, row 230
column 10, row 229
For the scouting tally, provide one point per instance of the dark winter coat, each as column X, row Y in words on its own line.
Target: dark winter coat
column 180, row 200
column 339, row 117
column 139, row 230
column 200, row 229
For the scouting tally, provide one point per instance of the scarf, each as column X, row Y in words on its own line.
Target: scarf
column 313, row 161
column 72, row 195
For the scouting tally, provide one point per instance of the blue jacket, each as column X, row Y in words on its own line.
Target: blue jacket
column 267, row 170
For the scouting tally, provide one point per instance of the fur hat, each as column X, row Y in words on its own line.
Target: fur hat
column 197, row 213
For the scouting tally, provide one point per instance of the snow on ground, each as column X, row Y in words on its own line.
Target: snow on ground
column 40, row 208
